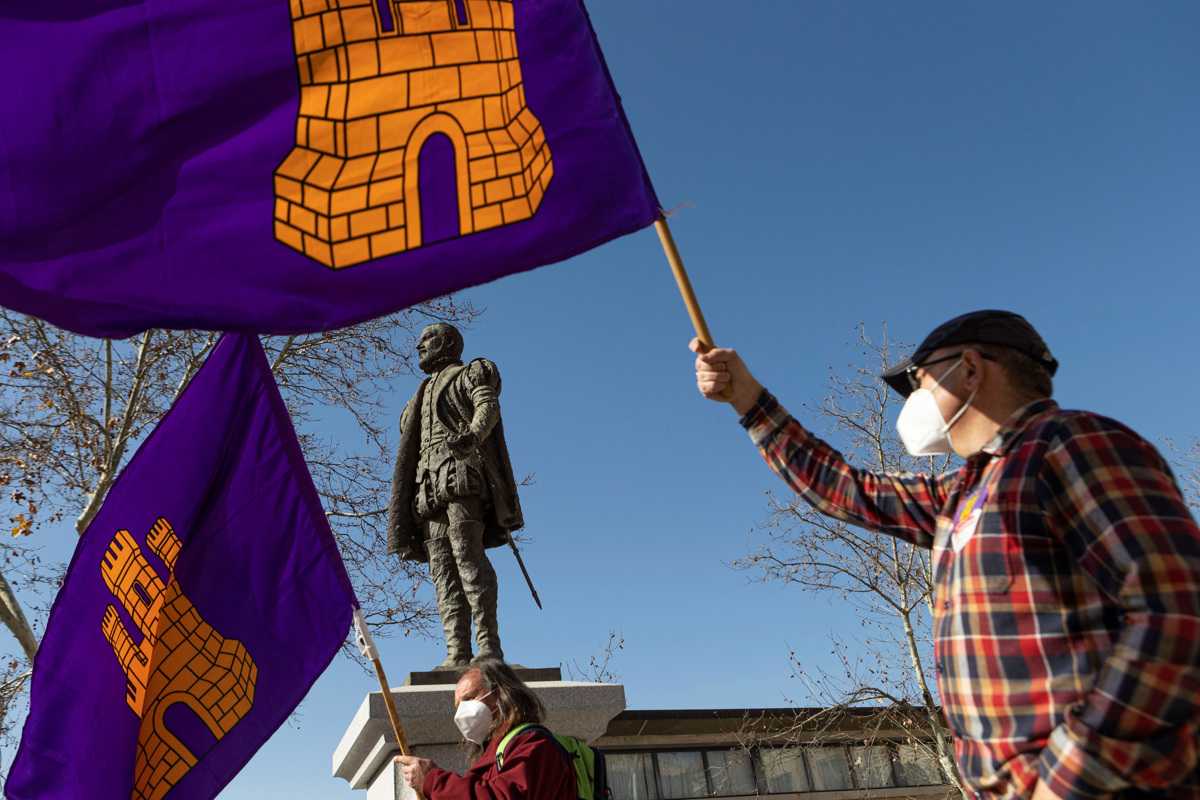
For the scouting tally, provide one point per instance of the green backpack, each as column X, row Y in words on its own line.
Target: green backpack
column 591, row 773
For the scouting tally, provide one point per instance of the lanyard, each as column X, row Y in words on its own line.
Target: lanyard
column 970, row 508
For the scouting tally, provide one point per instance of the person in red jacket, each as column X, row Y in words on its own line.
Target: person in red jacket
column 490, row 700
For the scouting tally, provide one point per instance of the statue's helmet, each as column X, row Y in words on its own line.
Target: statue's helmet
column 439, row 344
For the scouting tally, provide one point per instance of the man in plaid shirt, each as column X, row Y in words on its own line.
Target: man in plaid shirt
column 1066, row 563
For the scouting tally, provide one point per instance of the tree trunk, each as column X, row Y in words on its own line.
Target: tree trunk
column 931, row 707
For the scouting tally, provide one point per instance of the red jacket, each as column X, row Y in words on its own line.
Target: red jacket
column 535, row 768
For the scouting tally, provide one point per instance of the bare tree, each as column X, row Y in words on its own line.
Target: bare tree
column 599, row 668
column 73, row 410
column 888, row 580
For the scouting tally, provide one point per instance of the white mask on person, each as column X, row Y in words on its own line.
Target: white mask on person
column 474, row 720
column 920, row 424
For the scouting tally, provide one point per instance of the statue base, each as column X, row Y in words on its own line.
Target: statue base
column 441, row 677
column 364, row 757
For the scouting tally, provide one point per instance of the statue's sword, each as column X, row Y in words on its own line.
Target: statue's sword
column 525, row 572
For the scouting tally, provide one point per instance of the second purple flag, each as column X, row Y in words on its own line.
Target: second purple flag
column 289, row 168
column 201, row 604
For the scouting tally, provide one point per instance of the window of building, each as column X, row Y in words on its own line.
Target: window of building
column 782, row 770
column 736, row 772
column 872, row 766
column 916, row 766
column 730, row 773
column 681, row 775
column 828, row 768
column 631, row 776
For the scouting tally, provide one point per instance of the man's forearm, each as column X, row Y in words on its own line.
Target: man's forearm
column 902, row 505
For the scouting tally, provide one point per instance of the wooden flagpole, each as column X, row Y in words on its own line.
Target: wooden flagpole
column 685, row 284
column 689, row 295
column 366, row 645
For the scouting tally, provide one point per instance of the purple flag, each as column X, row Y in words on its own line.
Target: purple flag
column 289, row 166
column 200, row 605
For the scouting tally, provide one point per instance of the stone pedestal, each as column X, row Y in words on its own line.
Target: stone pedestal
column 364, row 756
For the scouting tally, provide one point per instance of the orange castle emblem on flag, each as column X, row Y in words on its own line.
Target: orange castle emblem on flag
column 179, row 660
column 380, row 81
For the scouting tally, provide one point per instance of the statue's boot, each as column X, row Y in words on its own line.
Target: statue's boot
column 454, row 660
column 452, row 602
column 479, row 585
column 487, row 627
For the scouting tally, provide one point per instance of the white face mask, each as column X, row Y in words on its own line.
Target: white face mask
column 920, row 424
column 474, row 720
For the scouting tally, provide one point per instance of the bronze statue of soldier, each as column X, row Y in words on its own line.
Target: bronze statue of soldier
column 453, row 491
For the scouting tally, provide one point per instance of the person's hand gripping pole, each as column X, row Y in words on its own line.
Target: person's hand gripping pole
column 366, row 646
column 721, row 375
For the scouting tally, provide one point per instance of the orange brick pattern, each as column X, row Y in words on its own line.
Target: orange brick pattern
column 180, row 659
column 348, row 192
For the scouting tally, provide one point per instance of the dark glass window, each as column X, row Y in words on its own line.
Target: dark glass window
column 828, row 768
column 872, row 766
column 631, row 776
column 738, row 772
column 916, row 766
column 782, row 770
column 460, row 11
column 730, row 772
column 681, row 775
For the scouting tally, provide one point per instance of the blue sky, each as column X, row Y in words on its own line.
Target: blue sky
column 833, row 163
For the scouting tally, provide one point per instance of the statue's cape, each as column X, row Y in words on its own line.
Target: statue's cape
column 502, row 512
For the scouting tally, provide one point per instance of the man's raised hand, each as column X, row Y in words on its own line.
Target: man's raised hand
column 721, row 375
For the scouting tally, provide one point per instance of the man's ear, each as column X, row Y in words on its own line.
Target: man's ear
column 972, row 369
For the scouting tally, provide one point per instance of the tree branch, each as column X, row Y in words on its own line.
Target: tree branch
column 112, row 465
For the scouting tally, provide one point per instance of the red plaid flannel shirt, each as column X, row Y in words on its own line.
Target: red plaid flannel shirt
column 1067, row 615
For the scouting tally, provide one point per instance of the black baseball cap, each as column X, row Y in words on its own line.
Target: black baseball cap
column 1001, row 328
